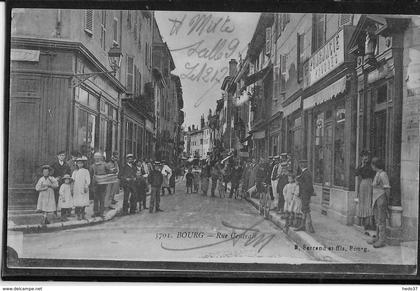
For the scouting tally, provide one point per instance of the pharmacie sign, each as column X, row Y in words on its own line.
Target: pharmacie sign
column 325, row 60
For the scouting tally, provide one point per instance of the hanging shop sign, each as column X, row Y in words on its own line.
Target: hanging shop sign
column 325, row 60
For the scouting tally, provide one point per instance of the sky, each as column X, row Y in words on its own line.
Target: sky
column 202, row 44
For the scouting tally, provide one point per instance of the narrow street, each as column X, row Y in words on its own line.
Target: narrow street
column 201, row 226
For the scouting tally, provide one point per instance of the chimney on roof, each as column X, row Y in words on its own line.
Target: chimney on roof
column 232, row 67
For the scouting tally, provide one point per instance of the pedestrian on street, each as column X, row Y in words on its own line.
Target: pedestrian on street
column 214, row 177
column 275, row 180
column 283, row 171
column 65, row 200
column 99, row 170
column 189, row 177
column 128, row 176
column 306, row 191
column 221, row 187
column 205, row 177
column 227, row 175
column 46, row 200
column 155, row 180
column 141, row 187
column 289, row 192
column 113, row 188
column 81, row 183
column 196, row 182
column 167, row 173
column 366, row 174
column 60, row 168
column 380, row 198
column 235, row 180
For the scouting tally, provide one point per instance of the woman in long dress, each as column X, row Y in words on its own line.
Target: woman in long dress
column 364, row 210
column 81, row 178
column 46, row 199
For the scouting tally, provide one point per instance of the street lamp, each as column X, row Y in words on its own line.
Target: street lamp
column 114, row 59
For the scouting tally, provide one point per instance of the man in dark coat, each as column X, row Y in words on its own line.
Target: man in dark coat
column 128, row 176
column 155, row 179
column 60, row 168
column 306, row 190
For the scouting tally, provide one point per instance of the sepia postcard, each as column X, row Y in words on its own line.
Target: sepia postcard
column 211, row 142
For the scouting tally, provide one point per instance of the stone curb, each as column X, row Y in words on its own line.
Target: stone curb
column 303, row 239
column 67, row 224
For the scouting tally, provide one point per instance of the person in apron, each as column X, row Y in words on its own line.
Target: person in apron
column 366, row 175
column 380, row 195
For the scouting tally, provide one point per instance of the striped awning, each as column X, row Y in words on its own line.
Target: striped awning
column 325, row 94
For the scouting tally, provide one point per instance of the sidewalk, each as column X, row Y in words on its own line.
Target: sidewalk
column 333, row 241
column 30, row 220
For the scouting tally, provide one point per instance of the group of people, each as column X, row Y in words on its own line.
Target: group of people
column 290, row 192
column 65, row 185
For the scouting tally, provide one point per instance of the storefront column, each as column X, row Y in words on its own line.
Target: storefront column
column 350, row 136
column 397, row 53
column 309, row 135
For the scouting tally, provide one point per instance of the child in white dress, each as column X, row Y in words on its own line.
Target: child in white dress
column 46, row 200
column 81, row 177
column 289, row 192
column 65, row 200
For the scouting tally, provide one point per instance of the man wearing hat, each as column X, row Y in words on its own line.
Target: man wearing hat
column 306, row 190
column 60, row 168
column 128, row 177
column 155, row 180
column 99, row 168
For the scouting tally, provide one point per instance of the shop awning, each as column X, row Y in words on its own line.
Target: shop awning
column 325, row 94
column 292, row 107
column 259, row 134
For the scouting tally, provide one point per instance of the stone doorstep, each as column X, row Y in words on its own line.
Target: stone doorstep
column 302, row 238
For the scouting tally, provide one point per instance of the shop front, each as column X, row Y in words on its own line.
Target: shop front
column 330, row 147
column 329, row 122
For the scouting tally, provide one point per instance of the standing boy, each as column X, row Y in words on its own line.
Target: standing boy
column 60, row 168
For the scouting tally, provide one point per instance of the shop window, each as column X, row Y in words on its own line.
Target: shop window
column 128, row 137
column 84, row 138
column 93, row 102
column 318, row 152
column 115, row 136
column 83, row 97
column 339, row 146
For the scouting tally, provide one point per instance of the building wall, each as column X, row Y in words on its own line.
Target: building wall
column 410, row 129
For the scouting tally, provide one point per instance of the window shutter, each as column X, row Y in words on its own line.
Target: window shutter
column 115, row 29
column 129, row 19
column 89, row 21
column 283, row 61
column 300, row 56
column 344, row 19
column 135, row 25
column 268, row 40
column 130, row 74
